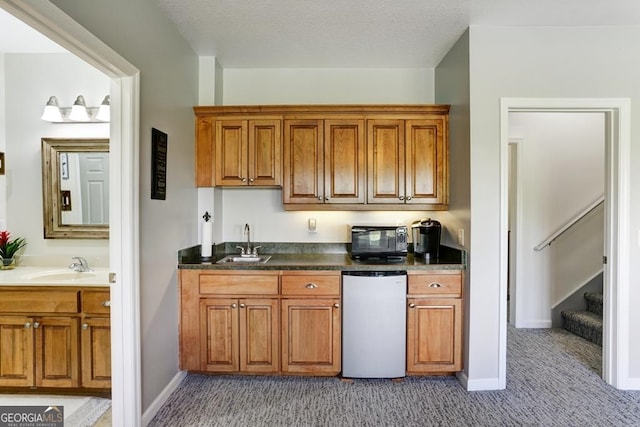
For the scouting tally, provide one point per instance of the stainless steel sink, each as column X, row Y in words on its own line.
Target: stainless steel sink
column 243, row 259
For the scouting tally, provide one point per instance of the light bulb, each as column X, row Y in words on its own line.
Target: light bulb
column 52, row 111
column 104, row 111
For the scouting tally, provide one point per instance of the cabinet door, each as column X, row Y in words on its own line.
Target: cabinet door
column 311, row 336
column 205, row 152
column 303, row 167
column 265, row 162
column 219, row 335
column 16, row 351
column 57, row 354
column 434, row 335
column 231, row 152
column 259, row 324
column 96, row 352
column 344, row 172
column 426, row 162
column 386, row 163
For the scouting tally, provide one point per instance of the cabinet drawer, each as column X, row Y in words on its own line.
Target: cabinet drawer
column 435, row 284
column 96, row 302
column 50, row 301
column 311, row 285
column 239, row 284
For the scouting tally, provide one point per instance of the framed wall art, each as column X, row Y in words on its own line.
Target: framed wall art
column 158, row 164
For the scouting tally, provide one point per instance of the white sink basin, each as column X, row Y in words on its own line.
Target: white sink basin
column 260, row 259
column 60, row 275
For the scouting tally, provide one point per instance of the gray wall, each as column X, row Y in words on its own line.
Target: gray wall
column 538, row 62
column 141, row 33
column 452, row 87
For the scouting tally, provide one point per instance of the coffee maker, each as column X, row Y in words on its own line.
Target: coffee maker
column 426, row 238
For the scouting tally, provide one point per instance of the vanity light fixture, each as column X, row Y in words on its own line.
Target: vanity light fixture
column 78, row 113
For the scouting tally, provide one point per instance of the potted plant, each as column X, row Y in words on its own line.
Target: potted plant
column 9, row 248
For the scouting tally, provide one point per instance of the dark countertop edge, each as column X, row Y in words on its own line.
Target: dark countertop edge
column 451, row 259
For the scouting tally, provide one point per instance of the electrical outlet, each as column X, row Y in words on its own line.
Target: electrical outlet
column 312, row 225
column 461, row 236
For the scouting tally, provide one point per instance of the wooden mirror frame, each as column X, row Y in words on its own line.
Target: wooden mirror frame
column 51, row 208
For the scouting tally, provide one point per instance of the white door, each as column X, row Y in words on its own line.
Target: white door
column 94, row 176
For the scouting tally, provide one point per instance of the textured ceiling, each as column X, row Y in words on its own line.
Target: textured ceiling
column 364, row 33
column 344, row 33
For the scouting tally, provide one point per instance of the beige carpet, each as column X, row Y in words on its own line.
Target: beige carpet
column 79, row 411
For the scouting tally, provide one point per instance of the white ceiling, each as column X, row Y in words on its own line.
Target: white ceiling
column 343, row 33
column 364, row 33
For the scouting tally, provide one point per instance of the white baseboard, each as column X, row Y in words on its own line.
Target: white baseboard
column 631, row 384
column 155, row 406
column 483, row 384
column 534, row 324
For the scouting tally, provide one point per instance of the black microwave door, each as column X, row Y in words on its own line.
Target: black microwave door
column 373, row 241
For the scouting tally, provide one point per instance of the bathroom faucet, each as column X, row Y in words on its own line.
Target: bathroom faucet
column 81, row 265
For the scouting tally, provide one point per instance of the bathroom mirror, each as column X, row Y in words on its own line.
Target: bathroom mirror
column 75, row 188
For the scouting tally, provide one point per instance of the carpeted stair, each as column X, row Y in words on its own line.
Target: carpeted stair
column 587, row 323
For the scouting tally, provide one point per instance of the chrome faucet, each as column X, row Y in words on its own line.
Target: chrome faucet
column 81, row 265
column 248, row 251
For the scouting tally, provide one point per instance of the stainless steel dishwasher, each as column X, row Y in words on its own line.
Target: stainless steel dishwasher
column 374, row 324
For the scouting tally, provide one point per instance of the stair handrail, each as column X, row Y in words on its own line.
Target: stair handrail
column 546, row 242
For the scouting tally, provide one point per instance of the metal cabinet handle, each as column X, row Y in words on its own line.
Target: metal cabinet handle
column 234, row 305
column 242, row 306
column 85, row 326
column 27, row 325
column 244, row 179
column 326, row 198
column 412, row 305
column 336, row 305
column 319, row 197
column 36, row 325
column 435, row 285
column 409, row 197
column 310, row 286
column 106, row 303
column 401, row 197
column 251, row 179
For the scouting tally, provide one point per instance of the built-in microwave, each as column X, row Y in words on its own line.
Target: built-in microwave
column 378, row 241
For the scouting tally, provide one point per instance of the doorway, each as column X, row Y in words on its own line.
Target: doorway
column 617, row 146
column 124, row 183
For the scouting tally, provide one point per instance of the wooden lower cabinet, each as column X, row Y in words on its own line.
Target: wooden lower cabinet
column 57, row 363
column 16, row 351
column 239, row 335
column 434, row 323
column 311, row 336
column 50, row 349
column 96, row 352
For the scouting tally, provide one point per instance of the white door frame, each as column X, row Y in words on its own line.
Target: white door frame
column 617, row 177
column 46, row 18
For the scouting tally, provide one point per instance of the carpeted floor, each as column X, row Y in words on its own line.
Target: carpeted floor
column 553, row 379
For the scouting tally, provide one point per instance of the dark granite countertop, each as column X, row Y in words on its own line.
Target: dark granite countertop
column 317, row 256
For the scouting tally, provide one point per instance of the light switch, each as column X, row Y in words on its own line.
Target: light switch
column 312, row 225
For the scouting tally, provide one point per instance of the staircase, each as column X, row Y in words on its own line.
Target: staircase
column 586, row 323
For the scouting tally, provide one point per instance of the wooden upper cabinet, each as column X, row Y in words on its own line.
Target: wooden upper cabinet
column 303, row 162
column 205, row 151
column 248, row 152
column 324, row 161
column 426, row 161
column 407, row 162
column 329, row 157
column 344, row 174
column 386, row 161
